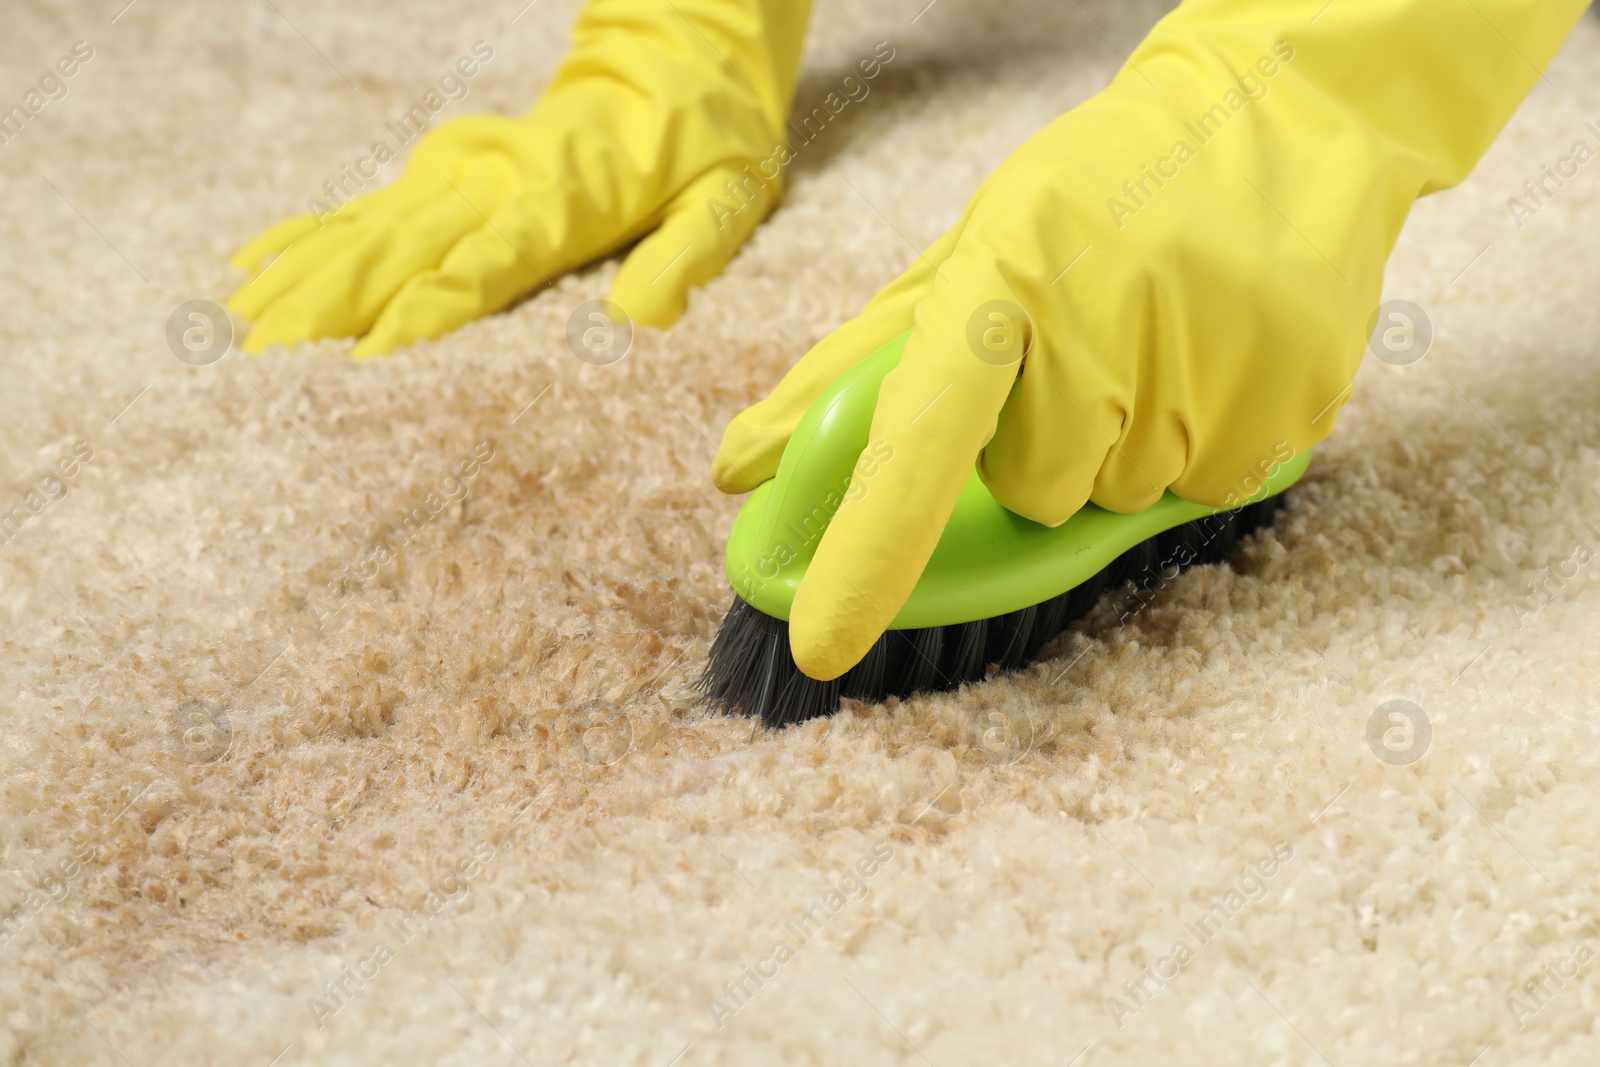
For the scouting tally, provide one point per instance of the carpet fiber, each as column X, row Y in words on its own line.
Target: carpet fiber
column 344, row 716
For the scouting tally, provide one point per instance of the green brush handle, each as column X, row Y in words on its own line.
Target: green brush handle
column 989, row 561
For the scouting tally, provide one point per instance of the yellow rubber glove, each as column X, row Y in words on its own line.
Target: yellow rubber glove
column 1189, row 260
column 660, row 109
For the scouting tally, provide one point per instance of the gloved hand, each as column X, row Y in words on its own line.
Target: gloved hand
column 1189, row 261
column 656, row 110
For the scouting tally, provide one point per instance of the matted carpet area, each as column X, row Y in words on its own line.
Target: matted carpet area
column 273, row 797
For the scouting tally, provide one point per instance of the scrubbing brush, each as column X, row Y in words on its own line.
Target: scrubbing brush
column 995, row 590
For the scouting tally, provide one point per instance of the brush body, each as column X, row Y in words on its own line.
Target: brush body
column 750, row 670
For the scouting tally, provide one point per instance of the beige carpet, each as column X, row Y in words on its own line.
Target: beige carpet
column 459, row 808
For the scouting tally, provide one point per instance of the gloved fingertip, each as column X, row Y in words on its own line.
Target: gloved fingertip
column 824, row 652
column 656, row 306
column 410, row 317
column 281, row 325
column 658, row 317
column 271, row 242
column 728, row 478
column 832, row 622
column 747, row 455
column 252, row 302
column 240, row 304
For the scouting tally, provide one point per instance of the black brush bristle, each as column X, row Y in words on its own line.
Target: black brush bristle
column 1135, row 567
column 1081, row 600
column 803, row 698
column 1049, row 619
column 749, row 668
column 869, row 677
column 965, row 644
column 1008, row 638
column 914, row 660
column 1217, row 535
